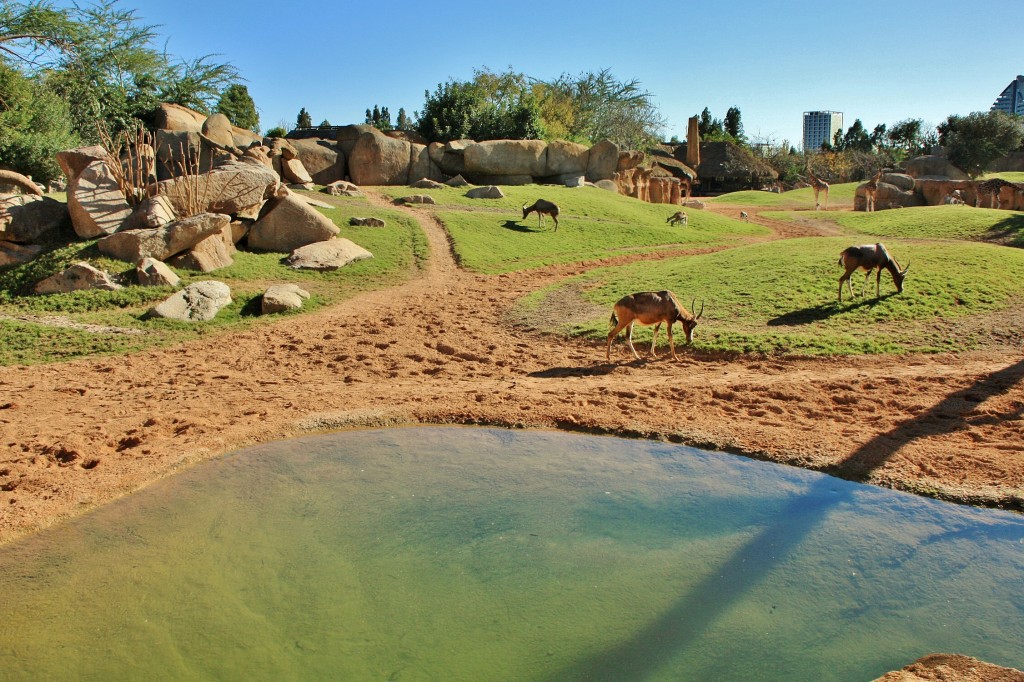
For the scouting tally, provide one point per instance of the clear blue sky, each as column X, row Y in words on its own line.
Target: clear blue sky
column 878, row 61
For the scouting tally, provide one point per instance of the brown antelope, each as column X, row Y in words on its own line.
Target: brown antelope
column 542, row 208
column 869, row 257
column 677, row 217
column 651, row 307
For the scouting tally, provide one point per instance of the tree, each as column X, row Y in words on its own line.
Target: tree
column 974, row 141
column 856, row 138
column 490, row 107
column 708, row 127
column 35, row 124
column 33, row 33
column 304, row 120
column 402, row 122
column 325, row 124
column 237, row 105
column 198, row 83
column 733, row 126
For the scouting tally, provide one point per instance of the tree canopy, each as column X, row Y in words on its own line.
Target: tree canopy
column 974, row 141
column 237, row 105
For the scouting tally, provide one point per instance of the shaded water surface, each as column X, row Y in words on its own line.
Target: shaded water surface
column 445, row 553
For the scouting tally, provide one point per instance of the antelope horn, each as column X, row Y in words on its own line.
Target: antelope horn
column 692, row 307
column 906, row 268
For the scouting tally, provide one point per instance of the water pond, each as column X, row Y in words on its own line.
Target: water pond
column 446, row 553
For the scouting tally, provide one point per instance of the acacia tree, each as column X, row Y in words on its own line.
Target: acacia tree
column 974, row 141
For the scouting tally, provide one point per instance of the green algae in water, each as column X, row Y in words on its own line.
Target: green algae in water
column 442, row 553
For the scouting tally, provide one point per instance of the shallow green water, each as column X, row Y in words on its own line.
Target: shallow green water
column 479, row 554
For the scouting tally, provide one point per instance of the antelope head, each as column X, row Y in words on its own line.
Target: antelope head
column 898, row 276
column 689, row 321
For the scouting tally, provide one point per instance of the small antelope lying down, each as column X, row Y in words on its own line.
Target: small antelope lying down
column 955, row 198
column 651, row 307
column 677, row 217
column 542, row 208
column 868, row 257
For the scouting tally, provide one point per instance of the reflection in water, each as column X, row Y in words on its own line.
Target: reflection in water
column 469, row 554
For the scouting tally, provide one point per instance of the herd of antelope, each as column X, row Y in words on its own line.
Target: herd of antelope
column 662, row 307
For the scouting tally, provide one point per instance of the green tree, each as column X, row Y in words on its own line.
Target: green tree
column 856, row 137
column 490, row 107
column 710, row 129
column 733, row 126
column 402, row 122
column 198, row 84
column 304, row 120
column 35, row 124
column 277, row 131
column 33, row 33
column 237, row 105
column 325, row 124
column 974, row 141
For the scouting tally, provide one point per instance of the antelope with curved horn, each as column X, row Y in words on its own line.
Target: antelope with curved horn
column 651, row 307
column 677, row 217
column 869, row 257
column 542, row 208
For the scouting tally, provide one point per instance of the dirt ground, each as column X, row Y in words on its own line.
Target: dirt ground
column 440, row 349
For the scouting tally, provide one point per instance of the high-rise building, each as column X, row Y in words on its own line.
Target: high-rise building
column 819, row 127
column 1011, row 99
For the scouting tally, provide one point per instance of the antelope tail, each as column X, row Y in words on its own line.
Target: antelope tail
column 614, row 321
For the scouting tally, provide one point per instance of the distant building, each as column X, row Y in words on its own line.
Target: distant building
column 1011, row 100
column 819, row 127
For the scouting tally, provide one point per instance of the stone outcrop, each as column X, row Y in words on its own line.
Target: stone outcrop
column 886, row 196
column 177, row 118
column 603, row 161
column 416, row 199
column 78, row 277
column 366, row 222
column 427, row 183
column 379, row 160
column 899, row 180
column 12, row 253
column 287, row 223
column 198, row 302
column 95, row 200
column 218, row 129
column 237, row 188
column 506, row 158
column 9, row 178
column 282, row 298
column 153, row 273
column 211, row 253
column 151, row 212
column 342, row 188
column 457, row 181
column 933, row 167
column 329, row 255
column 24, row 218
column 323, row 160
column 293, row 171
column 567, row 158
column 163, row 242
column 952, row 668
column 421, row 165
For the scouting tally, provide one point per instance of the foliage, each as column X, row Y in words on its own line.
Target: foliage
column 974, row 141
column 277, row 131
column 198, row 83
column 379, row 118
column 733, row 125
column 304, row 120
column 490, row 107
column 34, row 32
column 236, row 103
column 599, row 106
column 403, row 121
column 35, row 124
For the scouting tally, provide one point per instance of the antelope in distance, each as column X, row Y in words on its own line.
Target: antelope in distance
column 651, row 307
column 744, row 216
column 677, row 217
column 869, row 257
column 542, row 208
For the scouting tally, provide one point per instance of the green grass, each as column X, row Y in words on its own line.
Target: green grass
column 491, row 236
column 754, row 305
column 796, row 199
column 1009, row 176
column 398, row 250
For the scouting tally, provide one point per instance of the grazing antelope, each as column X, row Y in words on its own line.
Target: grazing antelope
column 954, row 198
column 651, row 307
column 542, row 208
column 868, row 257
column 744, row 216
column 677, row 217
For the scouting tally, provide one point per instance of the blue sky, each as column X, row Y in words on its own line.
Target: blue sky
column 878, row 61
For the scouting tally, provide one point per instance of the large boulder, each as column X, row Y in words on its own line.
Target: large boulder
column 162, row 242
column 900, row 180
column 288, row 223
column 421, row 166
column 321, row 159
column 488, row 192
column 178, row 118
column 934, row 192
column 936, row 167
column 508, row 180
column 603, row 161
column 11, row 181
column 347, row 136
column 341, row 188
column 211, row 253
column 450, row 156
column 78, row 277
column 329, row 255
column 218, row 129
column 886, row 196
column 180, row 151
column 566, row 158
column 155, row 211
column 96, row 203
column 12, row 253
column 26, row 217
column 237, row 187
column 198, row 302
column 506, row 157
column 293, row 171
column 379, row 160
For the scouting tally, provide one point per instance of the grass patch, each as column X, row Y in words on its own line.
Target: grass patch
column 491, row 236
column 795, row 199
column 753, row 305
column 55, row 327
column 1009, row 176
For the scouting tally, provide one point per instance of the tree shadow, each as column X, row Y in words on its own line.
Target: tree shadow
column 823, row 311
column 1008, row 231
column 683, row 622
column 601, row 369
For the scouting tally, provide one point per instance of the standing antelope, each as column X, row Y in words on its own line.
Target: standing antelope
column 868, row 257
column 677, row 217
column 542, row 208
column 744, row 216
column 651, row 307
